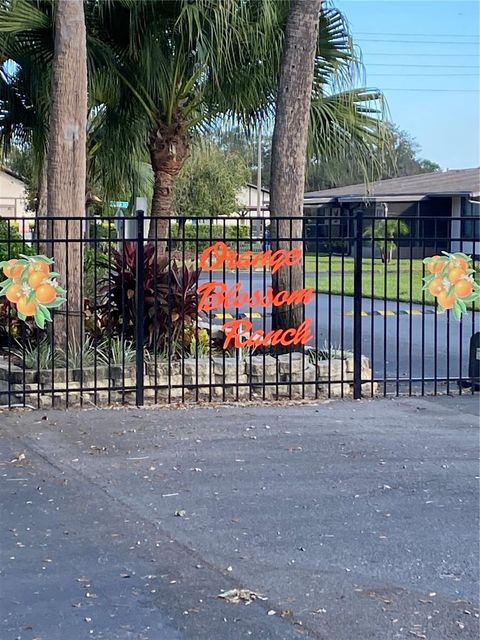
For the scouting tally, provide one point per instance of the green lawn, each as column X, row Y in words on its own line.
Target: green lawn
column 398, row 286
column 396, row 278
column 334, row 264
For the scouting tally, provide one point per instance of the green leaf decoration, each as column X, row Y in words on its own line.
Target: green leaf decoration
column 5, row 286
column 38, row 259
column 457, row 311
column 462, row 305
column 56, row 303
column 46, row 312
column 31, row 296
column 459, row 254
column 3, row 264
column 39, row 318
column 21, row 316
column 471, row 298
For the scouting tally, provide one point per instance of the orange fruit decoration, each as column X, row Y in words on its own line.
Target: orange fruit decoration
column 14, row 293
column 435, row 265
column 39, row 266
column 25, row 307
column 463, row 288
column 12, row 271
column 458, row 263
column 436, row 286
column 45, row 293
column 36, row 278
column 7, row 268
column 446, row 301
column 455, row 274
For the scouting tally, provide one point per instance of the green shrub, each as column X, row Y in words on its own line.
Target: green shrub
column 11, row 242
column 206, row 234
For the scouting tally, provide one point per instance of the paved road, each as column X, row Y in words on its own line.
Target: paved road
column 401, row 347
column 357, row 520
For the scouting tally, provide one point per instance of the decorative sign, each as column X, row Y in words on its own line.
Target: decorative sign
column 451, row 281
column 217, row 294
column 32, row 287
column 121, row 204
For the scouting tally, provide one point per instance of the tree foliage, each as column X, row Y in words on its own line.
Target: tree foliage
column 209, row 183
column 400, row 158
column 160, row 72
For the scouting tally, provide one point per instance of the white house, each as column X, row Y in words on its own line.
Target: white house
column 13, row 201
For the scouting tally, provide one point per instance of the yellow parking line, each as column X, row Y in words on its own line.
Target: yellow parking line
column 362, row 313
column 413, row 312
column 224, row 315
column 388, row 312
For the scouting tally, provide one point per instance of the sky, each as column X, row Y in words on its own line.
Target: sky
column 425, row 57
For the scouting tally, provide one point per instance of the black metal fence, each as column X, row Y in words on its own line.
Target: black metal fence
column 168, row 311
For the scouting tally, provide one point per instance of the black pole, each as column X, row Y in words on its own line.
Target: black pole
column 140, row 315
column 357, row 307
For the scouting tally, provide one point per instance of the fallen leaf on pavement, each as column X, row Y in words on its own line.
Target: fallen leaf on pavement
column 18, row 458
column 240, row 595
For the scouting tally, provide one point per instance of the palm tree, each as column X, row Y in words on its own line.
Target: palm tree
column 159, row 72
column 383, row 234
column 289, row 147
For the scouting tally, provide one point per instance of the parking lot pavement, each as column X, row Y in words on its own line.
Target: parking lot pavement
column 356, row 520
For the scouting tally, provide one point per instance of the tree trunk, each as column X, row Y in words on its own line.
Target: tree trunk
column 289, row 148
column 67, row 161
column 41, row 209
column 168, row 151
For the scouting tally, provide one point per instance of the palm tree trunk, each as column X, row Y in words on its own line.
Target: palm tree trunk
column 41, row 208
column 168, row 151
column 161, row 207
column 289, row 148
column 67, row 160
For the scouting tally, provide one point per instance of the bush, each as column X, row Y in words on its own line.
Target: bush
column 171, row 302
column 11, row 242
column 207, row 234
column 11, row 327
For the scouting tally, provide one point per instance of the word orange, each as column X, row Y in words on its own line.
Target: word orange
column 238, row 333
column 220, row 255
column 217, row 294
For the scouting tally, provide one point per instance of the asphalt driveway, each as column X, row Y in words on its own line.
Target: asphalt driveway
column 356, row 520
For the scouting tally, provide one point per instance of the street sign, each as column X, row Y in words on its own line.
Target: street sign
column 119, row 205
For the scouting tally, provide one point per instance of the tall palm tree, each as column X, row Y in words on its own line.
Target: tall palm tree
column 67, row 157
column 289, row 147
column 162, row 70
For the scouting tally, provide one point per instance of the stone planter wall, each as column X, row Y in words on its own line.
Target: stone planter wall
column 288, row 376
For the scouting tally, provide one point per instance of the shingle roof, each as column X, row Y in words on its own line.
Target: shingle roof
column 454, row 182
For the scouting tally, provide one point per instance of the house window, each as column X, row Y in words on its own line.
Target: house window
column 470, row 220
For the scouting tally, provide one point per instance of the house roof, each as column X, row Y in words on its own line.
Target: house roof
column 11, row 173
column 440, row 183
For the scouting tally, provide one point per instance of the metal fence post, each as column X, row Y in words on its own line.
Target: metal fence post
column 140, row 311
column 357, row 307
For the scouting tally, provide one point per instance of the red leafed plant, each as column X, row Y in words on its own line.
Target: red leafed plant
column 170, row 292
